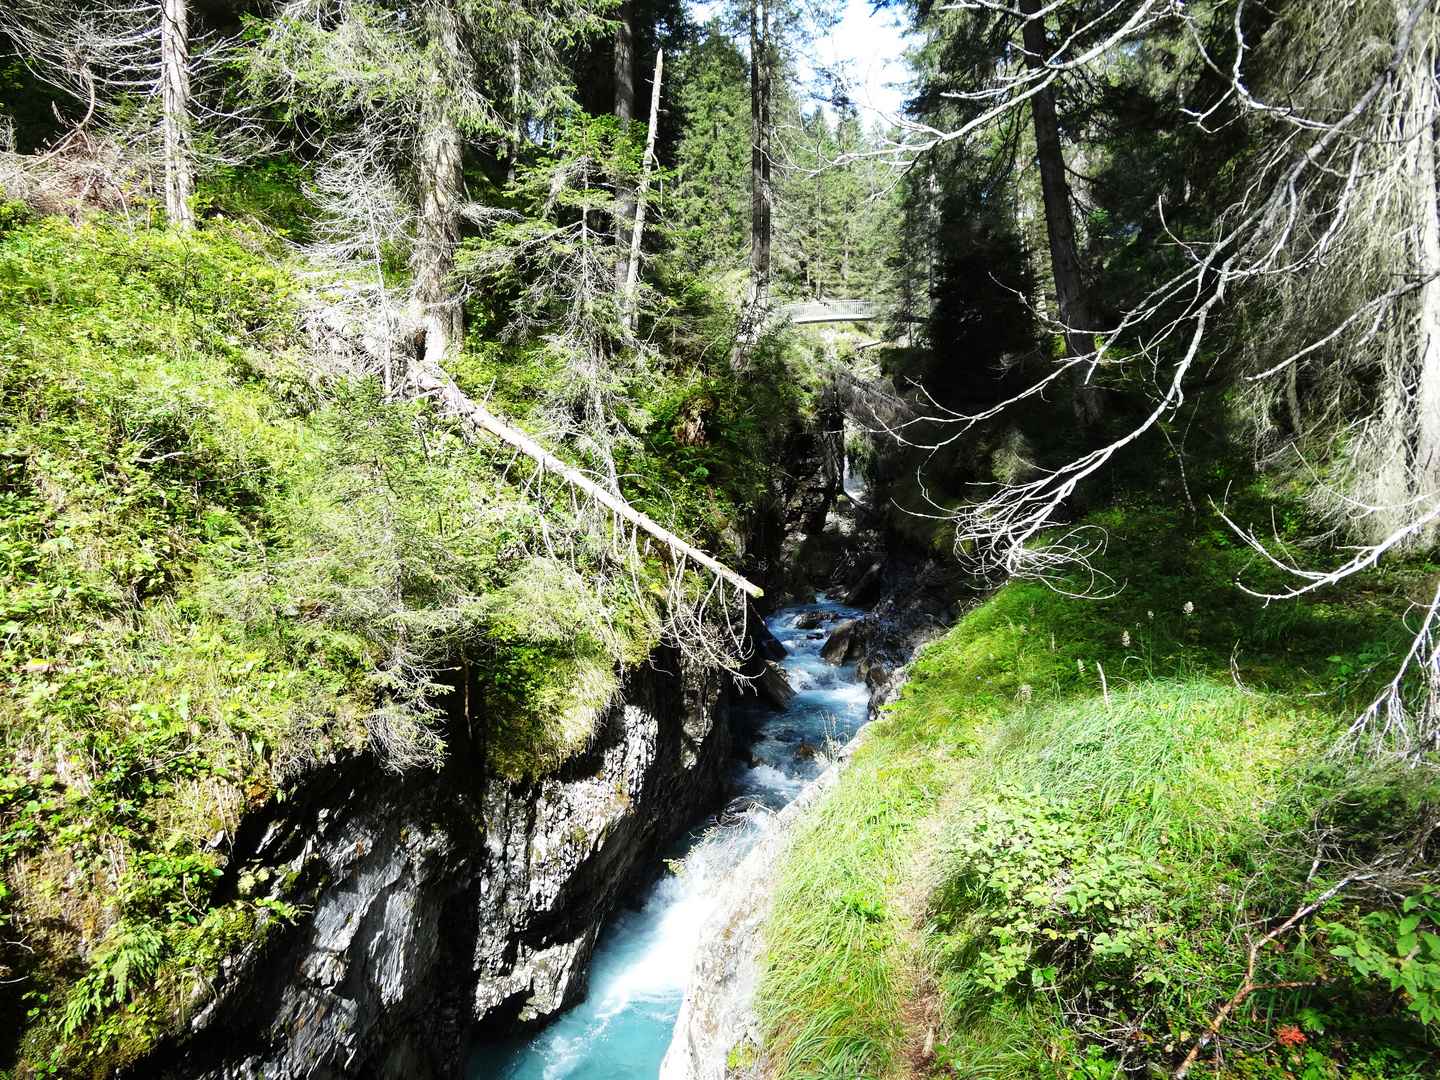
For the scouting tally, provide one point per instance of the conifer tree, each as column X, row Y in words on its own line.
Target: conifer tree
column 110, row 57
column 420, row 83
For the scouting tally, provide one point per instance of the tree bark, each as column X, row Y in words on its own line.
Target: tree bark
column 450, row 395
column 632, row 276
column 625, row 112
column 175, row 107
column 1088, row 400
column 1427, row 437
column 512, row 151
column 438, row 163
column 1406, row 434
column 761, row 104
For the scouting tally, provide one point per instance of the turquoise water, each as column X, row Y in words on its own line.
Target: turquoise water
column 637, row 979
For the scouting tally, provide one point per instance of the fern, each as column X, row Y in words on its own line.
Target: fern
column 127, row 958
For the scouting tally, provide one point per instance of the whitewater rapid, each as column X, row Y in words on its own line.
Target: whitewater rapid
column 637, row 978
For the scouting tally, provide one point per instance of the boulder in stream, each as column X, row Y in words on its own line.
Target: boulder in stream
column 867, row 590
column 841, row 640
column 762, row 640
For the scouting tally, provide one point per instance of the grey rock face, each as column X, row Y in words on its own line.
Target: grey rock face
column 843, row 640
column 442, row 906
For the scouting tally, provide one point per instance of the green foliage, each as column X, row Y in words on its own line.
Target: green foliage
column 1049, row 892
column 828, row 998
column 710, row 200
column 212, row 574
column 13, row 215
column 123, row 963
column 27, row 103
column 271, row 193
column 1400, row 948
column 1058, row 858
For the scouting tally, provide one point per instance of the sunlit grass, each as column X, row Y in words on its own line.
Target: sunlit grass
column 1188, row 774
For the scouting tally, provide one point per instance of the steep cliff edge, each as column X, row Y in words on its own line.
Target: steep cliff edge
column 436, row 905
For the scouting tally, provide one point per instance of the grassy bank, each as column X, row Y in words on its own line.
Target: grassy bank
column 221, row 563
column 1033, row 869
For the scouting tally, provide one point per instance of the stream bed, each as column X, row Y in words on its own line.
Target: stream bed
column 643, row 958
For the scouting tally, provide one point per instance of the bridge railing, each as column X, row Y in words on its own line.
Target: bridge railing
column 814, row 311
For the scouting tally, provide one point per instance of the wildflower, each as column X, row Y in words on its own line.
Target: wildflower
column 1125, row 639
column 1081, row 665
column 1026, row 693
column 1150, row 615
column 1289, row 1035
column 1189, row 608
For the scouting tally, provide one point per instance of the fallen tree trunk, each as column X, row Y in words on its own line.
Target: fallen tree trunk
column 460, row 403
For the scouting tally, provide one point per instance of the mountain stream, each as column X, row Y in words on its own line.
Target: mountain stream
column 643, row 958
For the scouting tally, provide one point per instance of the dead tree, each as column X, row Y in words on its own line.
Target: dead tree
column 1337, row 218
column 107, row 56
column 438, row 165
column 632, row 268
column 175, row 123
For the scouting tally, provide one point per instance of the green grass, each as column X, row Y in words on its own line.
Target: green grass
column 219, row 565
column 1034, row 869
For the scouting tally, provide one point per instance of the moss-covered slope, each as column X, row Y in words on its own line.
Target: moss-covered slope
column 221, row 564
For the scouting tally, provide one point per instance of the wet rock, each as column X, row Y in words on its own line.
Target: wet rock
column 738, row 810
column 838, row 645
column 765, row 752
column 810, row 620
column 867, row 590
column 765, row 679
column 889, row 691
column 762, row 640
column 775, row 686
column 718, row 1014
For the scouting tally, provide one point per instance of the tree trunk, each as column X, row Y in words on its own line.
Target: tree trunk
column 437, row 165
column 513, row 149
column 625, row 111
column 1399, row 471
column 761, row 104
column 440, row 386
column 1424, row 107
column 1088, row 399
column 175, row 122
column 632, row 277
